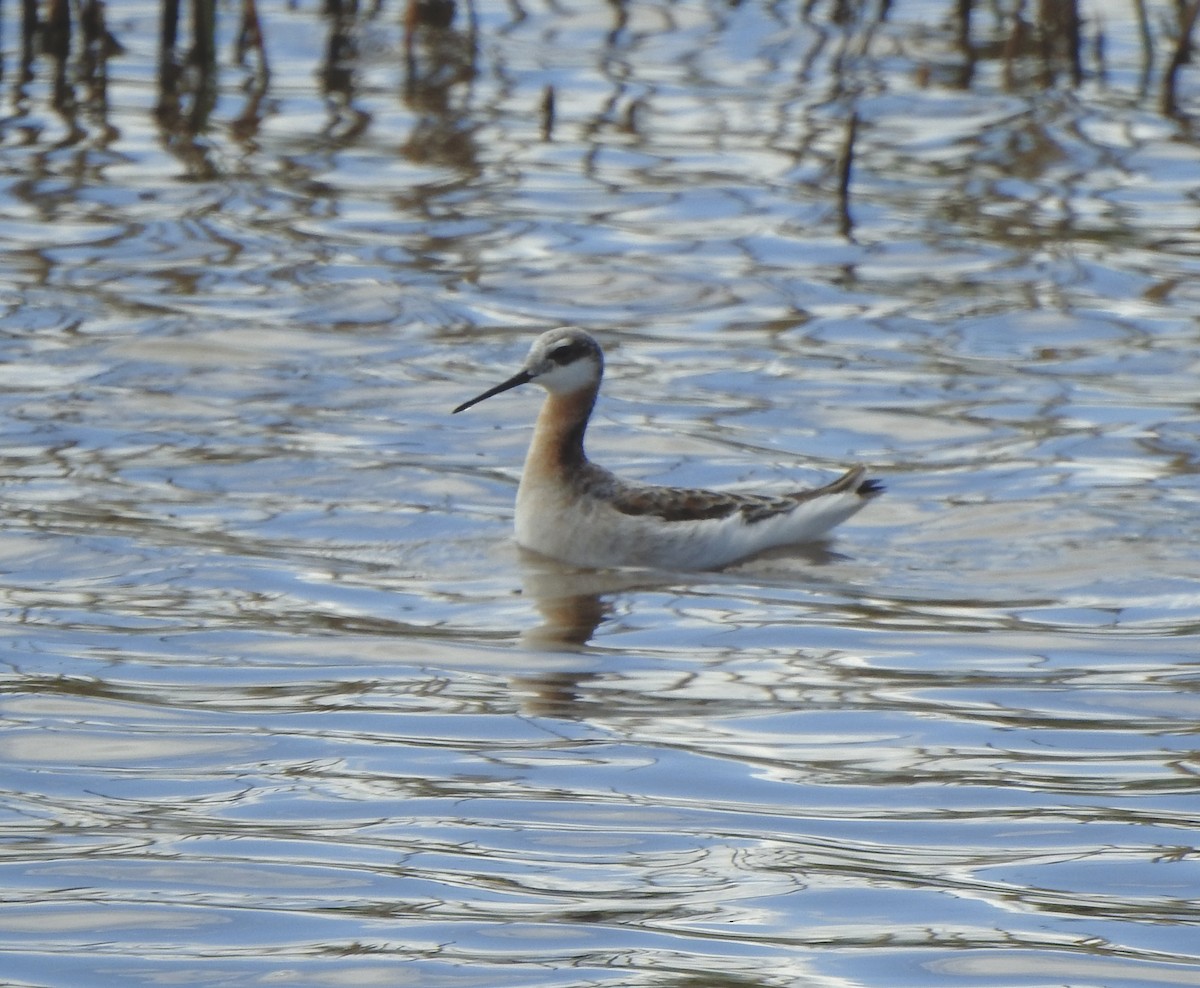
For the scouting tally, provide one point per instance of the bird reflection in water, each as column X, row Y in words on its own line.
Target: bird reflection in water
column 574, row 602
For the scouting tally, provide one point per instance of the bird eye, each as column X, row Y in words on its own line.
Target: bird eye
column 564, row 354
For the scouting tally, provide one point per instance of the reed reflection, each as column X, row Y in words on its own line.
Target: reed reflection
column 437, row 48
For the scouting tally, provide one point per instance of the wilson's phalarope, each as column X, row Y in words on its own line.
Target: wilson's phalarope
column 577, row 512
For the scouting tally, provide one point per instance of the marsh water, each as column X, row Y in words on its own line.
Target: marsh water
column 283, row 704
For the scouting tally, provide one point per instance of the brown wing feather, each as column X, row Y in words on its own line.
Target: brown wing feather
column 689, row 504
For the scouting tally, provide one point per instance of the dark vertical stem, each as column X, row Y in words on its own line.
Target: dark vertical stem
column 1075, row 40
column 56, row 40
column 168, row 64
column 204, row 21
column 1060, row 24
column 410, row 38
column 96, row 44
column 250, row 36
column 963, row 10
column 845, row 168
column 204, row 58
column 168, row 33
column 337, row 79
column 1014, row 45
column 1147, row 41
column 57, row 33
column 547, row 113
column 29, row 32
column 1188, row 11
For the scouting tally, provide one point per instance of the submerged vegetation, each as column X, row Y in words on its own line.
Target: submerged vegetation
column 1029, row 43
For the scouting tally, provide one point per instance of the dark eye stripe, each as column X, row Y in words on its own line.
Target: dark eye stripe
column 565, row 354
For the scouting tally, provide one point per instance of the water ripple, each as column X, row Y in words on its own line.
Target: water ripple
column 282, row 702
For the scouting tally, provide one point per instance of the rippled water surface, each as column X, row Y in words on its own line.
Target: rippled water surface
column 282, row 703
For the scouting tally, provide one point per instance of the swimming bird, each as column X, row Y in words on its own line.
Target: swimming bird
column 574, row 510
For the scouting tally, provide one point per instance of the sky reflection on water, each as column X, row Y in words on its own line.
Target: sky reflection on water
column 282, row 702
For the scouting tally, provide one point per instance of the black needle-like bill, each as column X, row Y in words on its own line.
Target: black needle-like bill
column 524, row 377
